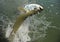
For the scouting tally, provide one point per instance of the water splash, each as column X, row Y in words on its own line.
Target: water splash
column 38, row 27
column 35, row 26
column 9, row 29
column 30, row 25
column 22, row 33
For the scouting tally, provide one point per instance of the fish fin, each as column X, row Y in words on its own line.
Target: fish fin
column 21, row 9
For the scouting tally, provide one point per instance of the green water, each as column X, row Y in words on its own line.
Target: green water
column 51, row 12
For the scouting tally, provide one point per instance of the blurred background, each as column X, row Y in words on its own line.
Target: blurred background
column 44, row 27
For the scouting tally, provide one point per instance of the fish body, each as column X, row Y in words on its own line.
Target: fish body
column 29, row 9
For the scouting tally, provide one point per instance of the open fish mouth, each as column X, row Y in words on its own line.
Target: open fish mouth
column 40, row 9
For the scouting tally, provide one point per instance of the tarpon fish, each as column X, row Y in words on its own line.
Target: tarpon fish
column 28, row 10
